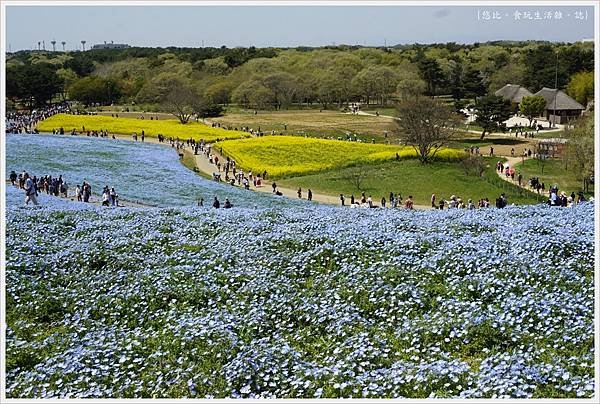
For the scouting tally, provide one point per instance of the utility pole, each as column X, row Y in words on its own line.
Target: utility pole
column 555, row 88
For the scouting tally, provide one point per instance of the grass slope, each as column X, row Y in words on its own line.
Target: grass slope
column 554, row 173
column 409, row 177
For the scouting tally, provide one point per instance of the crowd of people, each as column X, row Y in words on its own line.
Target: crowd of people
column 58, row 187
column 26, row 121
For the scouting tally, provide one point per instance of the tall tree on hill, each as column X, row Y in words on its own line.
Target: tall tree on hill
column 432, row 74
column 426, row 124
column 492, row 112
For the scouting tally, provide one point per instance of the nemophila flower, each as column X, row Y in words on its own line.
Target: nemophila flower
column 297, row 301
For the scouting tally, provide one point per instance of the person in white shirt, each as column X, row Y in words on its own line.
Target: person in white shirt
column 30, row 191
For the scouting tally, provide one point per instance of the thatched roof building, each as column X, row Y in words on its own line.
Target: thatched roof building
column 560, row 108
column 513, row 92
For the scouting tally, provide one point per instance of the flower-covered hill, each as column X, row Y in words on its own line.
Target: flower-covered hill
column 140, row 172
column 299, row 302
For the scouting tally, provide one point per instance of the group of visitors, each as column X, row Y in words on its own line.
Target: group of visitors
column 556, row 198
column 110, row 197
column 57, row 186
column 26, row 121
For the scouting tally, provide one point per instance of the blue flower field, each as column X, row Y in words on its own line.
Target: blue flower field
column 286, row 299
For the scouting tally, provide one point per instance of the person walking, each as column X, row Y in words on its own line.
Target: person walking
column 309, row 194
column 30, row 191
column 105, row 196
column 78, row 193
column 300, row 193
column 13, row 178
column 433, row 201
column 113, row 197
column 343, row 199
column 383, row 201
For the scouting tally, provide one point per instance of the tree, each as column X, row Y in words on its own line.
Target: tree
column 93, row 89
column 511, row 73
column 36, row 83
column 284, row 87
column 532, row 107
column 580, row 150
column 252, row 93
column 426, row 124
column 432, row 74
column 181, row 101
column 355, row 177
column 581, row 87
column 492, row 112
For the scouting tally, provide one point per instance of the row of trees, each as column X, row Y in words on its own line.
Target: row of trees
column 278, row 78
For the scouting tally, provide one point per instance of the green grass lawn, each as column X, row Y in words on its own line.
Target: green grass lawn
column 553, row 173
column 409, row 177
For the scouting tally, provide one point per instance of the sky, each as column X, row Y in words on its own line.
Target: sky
column 290, row 26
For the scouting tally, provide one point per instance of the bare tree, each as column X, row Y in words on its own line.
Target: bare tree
column 426, row 124
column 355, row 177
column 181, row 101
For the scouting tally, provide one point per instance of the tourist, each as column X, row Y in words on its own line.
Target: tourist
column 30, row 191
column 78, row 193
column 370, row 201
column 13, row 177
column 201, row 202
column 433, row 201
column 470, row 205
column 216, row 203
column 409, row 203
column 352, row 199
column 228, row 204
column 383, row 201
column 491, row 151
column 342, row 199
column 309, row 194
column 105, row 196
column 113, row 197
column 299, row 193
column 274, row 186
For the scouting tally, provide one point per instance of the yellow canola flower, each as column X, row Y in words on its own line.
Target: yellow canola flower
column 127, row 126
column 286, row 156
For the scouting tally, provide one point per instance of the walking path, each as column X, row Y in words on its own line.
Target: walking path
column 205, row 166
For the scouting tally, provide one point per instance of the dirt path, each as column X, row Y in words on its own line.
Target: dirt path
column 512, row 162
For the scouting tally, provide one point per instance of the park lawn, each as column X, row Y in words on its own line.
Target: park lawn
column 410, row 177
column 286, row 156
column 329, row 124
column 553, row 173
column 127, row 126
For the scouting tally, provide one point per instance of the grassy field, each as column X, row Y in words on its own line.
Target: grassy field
column 313, row 123
column 554, row 173
column 127, row 126
column 409, row 177
column 285, row 156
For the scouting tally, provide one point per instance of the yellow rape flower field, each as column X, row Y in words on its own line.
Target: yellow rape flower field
column 286, row 156
column 127, row 126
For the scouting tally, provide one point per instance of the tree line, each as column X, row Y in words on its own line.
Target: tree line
column 327, row 77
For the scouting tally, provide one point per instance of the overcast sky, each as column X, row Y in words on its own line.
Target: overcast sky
column 288, row 26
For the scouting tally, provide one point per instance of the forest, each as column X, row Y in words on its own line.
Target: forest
column 288, row 78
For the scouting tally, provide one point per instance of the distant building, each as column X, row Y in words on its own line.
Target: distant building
column 514, row 93
column 110, row 45
column 553, row 147
column 560, row 108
